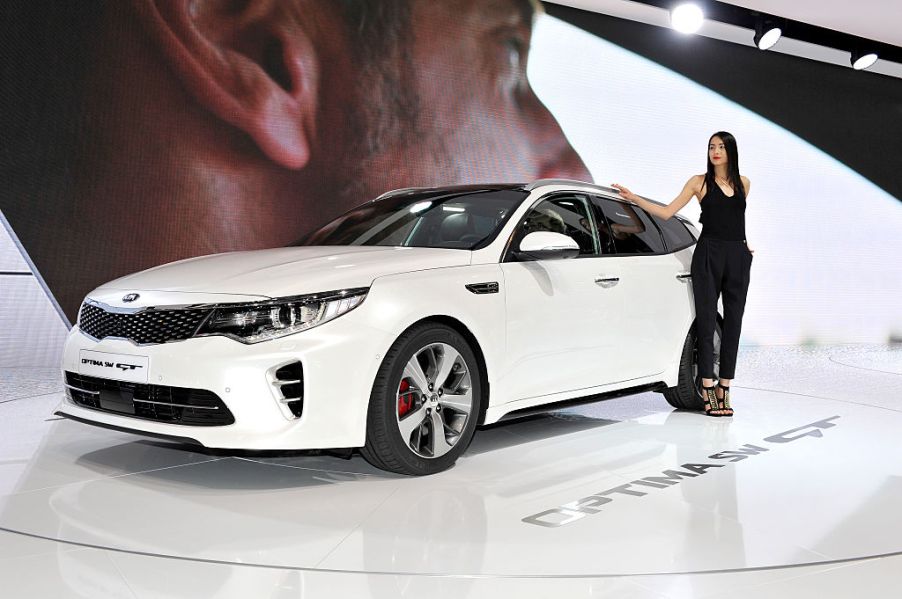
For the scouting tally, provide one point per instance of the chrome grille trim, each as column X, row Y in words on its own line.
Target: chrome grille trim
column 175, row 405
column 80, row 390
column 139, row 309
column 280, row 383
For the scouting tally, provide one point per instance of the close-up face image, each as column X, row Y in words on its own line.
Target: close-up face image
column 188, row 128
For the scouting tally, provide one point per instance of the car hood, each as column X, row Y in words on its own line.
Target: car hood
column 286, row 271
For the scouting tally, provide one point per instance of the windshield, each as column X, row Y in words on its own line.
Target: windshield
column 445, row 218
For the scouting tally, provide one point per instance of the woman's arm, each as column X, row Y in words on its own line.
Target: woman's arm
column 689, row 190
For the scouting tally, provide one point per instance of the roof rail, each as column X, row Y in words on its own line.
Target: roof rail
column 574, row 182
column 394, row 192
column 458, row 188
column 610, row 190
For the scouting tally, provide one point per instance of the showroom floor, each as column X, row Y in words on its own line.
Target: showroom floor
column 797, row 496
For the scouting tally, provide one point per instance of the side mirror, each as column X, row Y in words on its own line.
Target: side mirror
column 545, row 245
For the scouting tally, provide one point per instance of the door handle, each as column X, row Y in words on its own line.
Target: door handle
column 684, row 275
column 606, row 281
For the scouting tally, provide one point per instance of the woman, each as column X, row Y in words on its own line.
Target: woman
column 720, row 263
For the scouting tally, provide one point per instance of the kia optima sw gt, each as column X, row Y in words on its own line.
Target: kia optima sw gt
column 397, row 328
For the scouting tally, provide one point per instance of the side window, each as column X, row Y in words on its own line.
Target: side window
column 631, row 229
column 675, row 233
column 566, row 214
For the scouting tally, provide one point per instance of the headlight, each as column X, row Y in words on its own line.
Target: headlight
column 252, row 323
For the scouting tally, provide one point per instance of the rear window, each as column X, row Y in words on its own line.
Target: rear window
column 676, row 235
column 632, row 230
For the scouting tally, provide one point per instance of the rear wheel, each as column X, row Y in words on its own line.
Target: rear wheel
column 425, row 402
column 684, row 395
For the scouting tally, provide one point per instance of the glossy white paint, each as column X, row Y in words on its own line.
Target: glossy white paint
column 658, row 307
column 554, row 331
column 565, row 331
column 547, row 241
column 288, row 271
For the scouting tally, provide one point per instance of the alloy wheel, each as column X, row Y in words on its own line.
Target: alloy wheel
column 434, row 400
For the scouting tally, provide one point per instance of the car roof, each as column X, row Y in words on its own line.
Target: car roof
column 451, row 189
column 569, row 183
column 534, row 185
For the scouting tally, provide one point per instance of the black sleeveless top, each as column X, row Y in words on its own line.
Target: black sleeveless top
column 723, row 217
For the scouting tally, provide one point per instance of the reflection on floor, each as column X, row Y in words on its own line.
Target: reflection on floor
column 797, row 496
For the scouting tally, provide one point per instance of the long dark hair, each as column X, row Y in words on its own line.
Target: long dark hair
column 729, row 144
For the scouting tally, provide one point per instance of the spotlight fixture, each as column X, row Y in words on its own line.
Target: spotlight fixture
column 687, row 18
column 862, row 59
column 767, row 32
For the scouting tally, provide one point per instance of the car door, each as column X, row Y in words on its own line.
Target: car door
column 654, row 283
column 562, row 316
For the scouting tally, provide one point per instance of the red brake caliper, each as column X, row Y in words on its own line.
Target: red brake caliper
column 405, row 398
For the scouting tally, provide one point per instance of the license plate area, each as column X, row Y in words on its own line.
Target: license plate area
column 118, row 367
column 120, row 400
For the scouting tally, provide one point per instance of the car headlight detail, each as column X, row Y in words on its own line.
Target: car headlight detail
column 252, row 323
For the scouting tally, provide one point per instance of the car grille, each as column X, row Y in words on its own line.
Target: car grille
column 151, row 326
column 172, row 405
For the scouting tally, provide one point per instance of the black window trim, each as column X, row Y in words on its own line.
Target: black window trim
column 682, row 223
column 682, row 220
column 651, row 219
column 508, row 255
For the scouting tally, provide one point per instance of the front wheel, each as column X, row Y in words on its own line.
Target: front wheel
column 684, row 396
column 425, row 402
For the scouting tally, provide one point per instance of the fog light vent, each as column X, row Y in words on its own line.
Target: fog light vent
column 290, row 381
column 296, row 407
column 293, row 371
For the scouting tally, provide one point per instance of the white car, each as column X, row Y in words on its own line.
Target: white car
column 398, row 328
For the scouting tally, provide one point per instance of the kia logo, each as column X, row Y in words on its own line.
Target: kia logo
column 130, row 297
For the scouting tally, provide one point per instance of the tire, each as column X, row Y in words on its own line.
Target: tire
column 408, row 405
column 684, row 395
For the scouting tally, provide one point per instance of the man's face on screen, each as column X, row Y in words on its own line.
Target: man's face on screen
column 472, row 115
column 245, row 125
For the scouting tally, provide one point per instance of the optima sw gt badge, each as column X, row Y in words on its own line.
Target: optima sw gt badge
column 130, row 297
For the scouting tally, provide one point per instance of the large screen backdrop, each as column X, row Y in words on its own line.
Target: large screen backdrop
column 137, row 133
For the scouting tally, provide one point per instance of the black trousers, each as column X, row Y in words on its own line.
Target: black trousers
column 719, row 267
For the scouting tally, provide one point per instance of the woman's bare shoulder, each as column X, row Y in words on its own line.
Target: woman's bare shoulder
column 697, row 182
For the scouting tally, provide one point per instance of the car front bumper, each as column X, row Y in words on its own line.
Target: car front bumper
column 339, row 360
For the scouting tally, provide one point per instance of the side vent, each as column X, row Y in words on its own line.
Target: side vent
column 483, row 288
column 290, row 382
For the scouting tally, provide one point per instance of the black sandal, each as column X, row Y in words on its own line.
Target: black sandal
column 724, row 404
column 712, row 408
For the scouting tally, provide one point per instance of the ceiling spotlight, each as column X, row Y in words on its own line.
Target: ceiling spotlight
column 687, row 18
column 767, row 33
column 862, row 59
